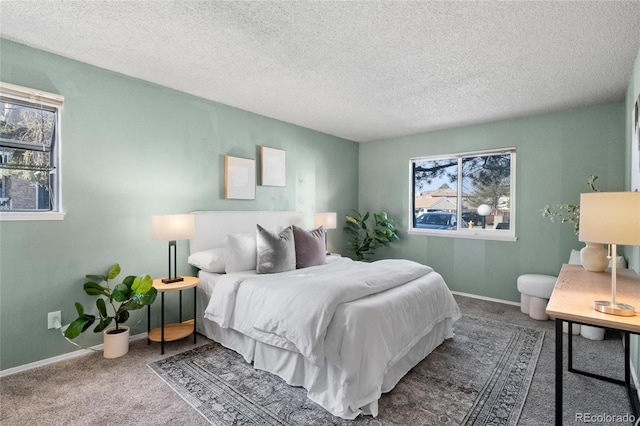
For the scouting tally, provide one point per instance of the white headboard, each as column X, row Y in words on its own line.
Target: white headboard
column 212, row 226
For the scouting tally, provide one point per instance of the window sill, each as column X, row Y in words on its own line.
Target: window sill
column 479, row 235
column 28, row 216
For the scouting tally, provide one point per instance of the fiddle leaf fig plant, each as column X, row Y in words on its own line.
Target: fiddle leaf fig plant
column 568, row 213
column 365, row 240
column 132, row 294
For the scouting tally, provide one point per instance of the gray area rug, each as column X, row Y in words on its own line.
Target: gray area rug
column 480, row 377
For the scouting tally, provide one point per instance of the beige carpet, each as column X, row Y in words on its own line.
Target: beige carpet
column 91, row 390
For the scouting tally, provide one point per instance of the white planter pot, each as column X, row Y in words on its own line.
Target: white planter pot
column 594, row 257
column 116, row 345
column 592, row 333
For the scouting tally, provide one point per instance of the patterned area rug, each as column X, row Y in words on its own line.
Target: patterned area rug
column 480, row 377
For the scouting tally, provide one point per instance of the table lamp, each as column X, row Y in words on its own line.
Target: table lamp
column 328, row 221
column 611, row 218
column 172, row 227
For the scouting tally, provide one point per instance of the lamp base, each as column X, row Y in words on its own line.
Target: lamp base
column 172, row 280
column 619, row 309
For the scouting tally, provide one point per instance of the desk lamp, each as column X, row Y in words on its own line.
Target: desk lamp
column 172, row 227
column 611, row 218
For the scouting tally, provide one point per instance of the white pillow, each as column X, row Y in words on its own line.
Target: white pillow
column 208, row 260
column 240, row 252
column 574, row 259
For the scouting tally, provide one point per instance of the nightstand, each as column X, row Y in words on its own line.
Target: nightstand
column 176, row 331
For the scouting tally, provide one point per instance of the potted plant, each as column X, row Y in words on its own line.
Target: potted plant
column 593, row 256
column 568, row 213
column 365, row 240
column 132, row 294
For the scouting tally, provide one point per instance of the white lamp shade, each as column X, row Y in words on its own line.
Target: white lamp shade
column 326, row 220
column 610, row 218
column 172, row 227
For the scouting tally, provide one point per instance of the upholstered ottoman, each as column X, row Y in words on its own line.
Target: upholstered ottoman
column 535, row 291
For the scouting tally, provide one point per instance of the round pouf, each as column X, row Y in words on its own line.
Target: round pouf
column 535, row 290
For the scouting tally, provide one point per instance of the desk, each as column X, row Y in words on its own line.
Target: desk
column 572, row 301
column 170, row 332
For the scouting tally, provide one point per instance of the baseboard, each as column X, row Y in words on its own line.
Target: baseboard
column 70, row 355
column 490, row 299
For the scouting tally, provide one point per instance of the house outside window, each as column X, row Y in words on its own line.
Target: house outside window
column 466, row 195
column 29, row 153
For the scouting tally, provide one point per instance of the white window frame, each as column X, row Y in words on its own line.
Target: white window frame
column 472, row 233
column 20, row 93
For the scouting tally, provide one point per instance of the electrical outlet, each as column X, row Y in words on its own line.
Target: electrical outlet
column 54, row 319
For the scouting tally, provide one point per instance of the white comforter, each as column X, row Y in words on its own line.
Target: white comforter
column 294, row 309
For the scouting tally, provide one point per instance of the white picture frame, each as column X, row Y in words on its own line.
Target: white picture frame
column 239, row 178
column 273, row 167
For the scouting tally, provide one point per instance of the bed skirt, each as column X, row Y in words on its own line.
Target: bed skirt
column 325, row 385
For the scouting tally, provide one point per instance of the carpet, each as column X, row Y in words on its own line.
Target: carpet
column 480, row 377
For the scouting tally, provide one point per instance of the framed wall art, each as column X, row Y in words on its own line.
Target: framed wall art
column 239, row 178
column 273, row 167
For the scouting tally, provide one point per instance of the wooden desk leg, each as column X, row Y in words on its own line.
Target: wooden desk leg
column 559, row 371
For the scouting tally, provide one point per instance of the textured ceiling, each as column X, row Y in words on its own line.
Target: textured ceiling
column 359, row 70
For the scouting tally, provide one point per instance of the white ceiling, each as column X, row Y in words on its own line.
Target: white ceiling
column 361, row 70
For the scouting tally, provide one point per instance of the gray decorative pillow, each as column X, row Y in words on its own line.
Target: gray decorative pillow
column 276, row 252
column 310, row 247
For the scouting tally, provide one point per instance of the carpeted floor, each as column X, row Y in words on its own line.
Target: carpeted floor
column 91, row 390
column 481, row 376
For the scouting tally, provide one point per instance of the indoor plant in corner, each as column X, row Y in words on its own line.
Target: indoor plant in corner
column 365, row 240
column 593, row 256
column 132, row 294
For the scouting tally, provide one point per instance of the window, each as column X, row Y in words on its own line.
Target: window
column 29, row 162
column 469, row 195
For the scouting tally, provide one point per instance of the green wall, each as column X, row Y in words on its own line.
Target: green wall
column 556, row 153
column 632, row 253
column 131, row 149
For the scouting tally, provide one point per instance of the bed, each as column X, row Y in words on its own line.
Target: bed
column 346, row 331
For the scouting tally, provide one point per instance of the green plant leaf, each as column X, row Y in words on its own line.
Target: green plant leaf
column 142, row 284
column 122, row 317
column 95, row 289
column 102, row 307
column 98, row 278
column 79, row 325
column 103, row 324
column 113, row 272
column 128, row 281
column 121, row 292
column 351, row 220
column 147, row 298
column 79, row 309
column 75, row 328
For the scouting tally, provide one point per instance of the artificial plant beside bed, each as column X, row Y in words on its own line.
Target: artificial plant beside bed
column 366, row 239
column 132, row 294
